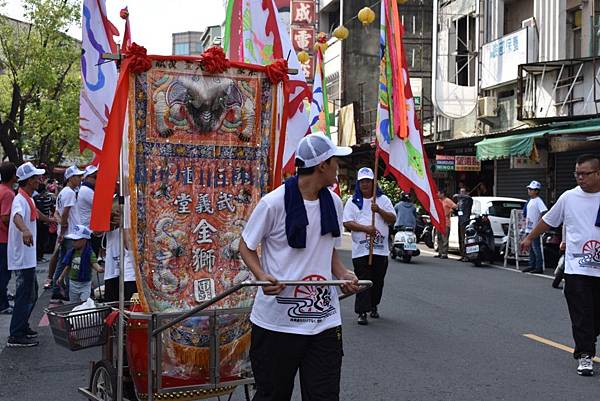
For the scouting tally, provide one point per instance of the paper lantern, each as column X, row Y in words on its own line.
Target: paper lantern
column 303, row 57
column 366, row 16
column 321, row 44
column 341, row 32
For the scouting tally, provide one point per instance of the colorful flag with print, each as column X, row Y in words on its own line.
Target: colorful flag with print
column 254, row 34
column 404, row 156
column 99, row 76
column 319, row 113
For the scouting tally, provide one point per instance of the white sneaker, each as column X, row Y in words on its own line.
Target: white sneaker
column 586, row 366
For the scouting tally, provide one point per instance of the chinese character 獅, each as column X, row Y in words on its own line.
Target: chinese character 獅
column 203, row 259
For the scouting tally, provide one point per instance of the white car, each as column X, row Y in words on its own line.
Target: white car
column 498, row 210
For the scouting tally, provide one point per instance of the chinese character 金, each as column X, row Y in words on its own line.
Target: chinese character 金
column 203, row 259
column 204, row 231
column 225, row 202
column 182, row 202
column 204, row 205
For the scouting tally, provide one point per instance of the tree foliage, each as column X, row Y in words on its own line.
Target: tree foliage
column 40, row 81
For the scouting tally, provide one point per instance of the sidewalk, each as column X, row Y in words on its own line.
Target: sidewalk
column 42, row 273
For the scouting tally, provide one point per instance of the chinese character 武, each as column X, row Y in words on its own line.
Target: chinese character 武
column 225, row 202
column 182, row 202
column 204, row 231
column 204, row 205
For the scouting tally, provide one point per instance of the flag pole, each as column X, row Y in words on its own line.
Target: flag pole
column 374, row 202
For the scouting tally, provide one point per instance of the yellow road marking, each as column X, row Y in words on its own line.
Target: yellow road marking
column 553, row 344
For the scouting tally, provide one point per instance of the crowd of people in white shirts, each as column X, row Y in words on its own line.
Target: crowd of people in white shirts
column 77, row 252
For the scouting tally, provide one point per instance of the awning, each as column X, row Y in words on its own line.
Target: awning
column 582, row 127
column 507, row 146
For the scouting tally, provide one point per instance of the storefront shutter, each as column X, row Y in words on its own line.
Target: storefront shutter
column 513, row 183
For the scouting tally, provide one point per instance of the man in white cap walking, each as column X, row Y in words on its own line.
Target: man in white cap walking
column 69, row 218
column 298, row 226
column 358, row 215
column 22, row 255
column 533, row 213
column 85, row 199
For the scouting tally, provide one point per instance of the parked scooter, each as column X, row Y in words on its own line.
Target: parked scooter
column 405, row 244
column 551, row 240
column 479, row 240
column 426, row 234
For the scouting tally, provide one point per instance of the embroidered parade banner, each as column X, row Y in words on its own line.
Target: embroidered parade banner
column 199, row 151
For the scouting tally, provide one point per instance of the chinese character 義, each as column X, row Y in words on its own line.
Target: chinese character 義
column 204, row 205
column 182, row 202
column 204, row 231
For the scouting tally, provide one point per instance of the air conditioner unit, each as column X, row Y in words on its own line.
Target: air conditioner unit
column 487, row 107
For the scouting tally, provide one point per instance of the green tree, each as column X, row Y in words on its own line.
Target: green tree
column 40, row 81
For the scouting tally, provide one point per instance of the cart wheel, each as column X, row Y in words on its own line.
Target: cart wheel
column 249, row 390
column 103, row 383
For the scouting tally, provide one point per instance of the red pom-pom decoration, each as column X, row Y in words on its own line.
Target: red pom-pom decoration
column 214, row 60
column 139, row 59
column 278, row 71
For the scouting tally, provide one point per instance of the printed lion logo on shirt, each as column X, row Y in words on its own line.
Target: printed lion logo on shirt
column 310, row 303
column 590, row 254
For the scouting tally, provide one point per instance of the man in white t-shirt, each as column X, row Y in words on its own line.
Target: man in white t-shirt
column 22, row 255
column 533, row 213
column 67, row 213
column 578, row 210
column 298, row 226
column 358, row 218
column 85, row 199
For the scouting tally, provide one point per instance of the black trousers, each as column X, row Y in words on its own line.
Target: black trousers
column 41, row 241
column 583, row 299
column 276, row 358
column 461, row 237
column 367, row 300
column 111, row 289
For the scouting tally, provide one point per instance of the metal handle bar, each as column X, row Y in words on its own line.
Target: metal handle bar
column 364, row 284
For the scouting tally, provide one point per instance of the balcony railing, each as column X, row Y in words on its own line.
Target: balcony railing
column 559, row 90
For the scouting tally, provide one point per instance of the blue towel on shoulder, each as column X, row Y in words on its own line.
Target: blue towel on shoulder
column 357, row 198
column 296, row 219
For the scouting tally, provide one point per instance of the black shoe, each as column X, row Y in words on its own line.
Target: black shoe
column 31, row 333
column 374, row 313
column 444, row 257
column 21, row 342
column 362, row 319
column 528, row 269
column 437, row 256
column 537, row 272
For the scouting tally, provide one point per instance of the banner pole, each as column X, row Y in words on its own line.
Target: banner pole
column 374, row 202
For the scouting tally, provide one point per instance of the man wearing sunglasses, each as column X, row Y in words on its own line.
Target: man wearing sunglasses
column 578, row 209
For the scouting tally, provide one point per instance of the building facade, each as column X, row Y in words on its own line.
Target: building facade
column 516, row 93
column 188, row 43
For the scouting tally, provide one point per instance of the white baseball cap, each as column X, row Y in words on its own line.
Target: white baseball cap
column 28, row 170
column 79, row 232
column 316, row 148
column 89, row 170
column 71, row 171
column 365, row 173
column 534, row 185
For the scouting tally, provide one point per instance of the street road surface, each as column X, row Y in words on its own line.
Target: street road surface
column 448, row 331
